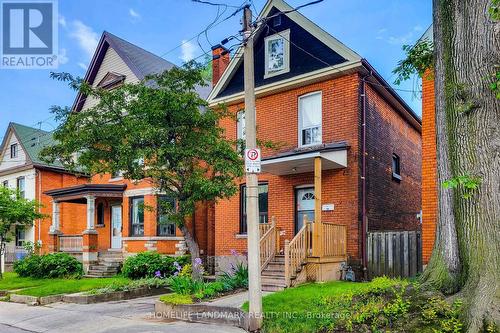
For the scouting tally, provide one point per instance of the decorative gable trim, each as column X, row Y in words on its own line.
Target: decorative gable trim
column 111, row 80
column 3, row 148
column 330, row 41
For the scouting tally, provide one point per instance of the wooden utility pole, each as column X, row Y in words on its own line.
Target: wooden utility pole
column 252, row 182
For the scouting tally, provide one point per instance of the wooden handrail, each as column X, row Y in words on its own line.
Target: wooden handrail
column 334, row 240
column 268, row 244
column 296, row 253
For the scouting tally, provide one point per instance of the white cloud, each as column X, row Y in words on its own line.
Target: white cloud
column 62, row 21
column 62, row 58
column 82, row 66
column 135, row 15
column 188, row 49
column 86, row 37
column 407, row 38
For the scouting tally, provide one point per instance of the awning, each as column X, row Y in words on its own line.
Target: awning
column 334, row 156
column 78, row 193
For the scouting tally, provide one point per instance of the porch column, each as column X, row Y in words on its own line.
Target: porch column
column 55, row 217
column 90, row 211
column 89, row 237
column 317, row 245
column 54, row 232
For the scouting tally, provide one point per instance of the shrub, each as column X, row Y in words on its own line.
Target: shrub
column 185, row 285
column 236, row 278
column 148, row 264
column 52, row 265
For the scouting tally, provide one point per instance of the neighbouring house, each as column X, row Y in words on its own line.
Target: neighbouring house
column 21, row 169
column 429, row 161
column 349, row 156
column 114, row 221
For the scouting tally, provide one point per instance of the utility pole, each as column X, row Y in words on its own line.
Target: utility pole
column 252, row 182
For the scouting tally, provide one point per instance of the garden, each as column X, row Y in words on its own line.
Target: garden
column 382, row 305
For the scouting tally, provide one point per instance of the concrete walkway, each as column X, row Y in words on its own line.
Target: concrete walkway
column 236, row 300
column 122, row 316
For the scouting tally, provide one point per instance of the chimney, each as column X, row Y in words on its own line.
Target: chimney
column 220, row 60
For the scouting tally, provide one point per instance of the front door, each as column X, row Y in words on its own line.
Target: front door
column 304, row 205
column 116, row 227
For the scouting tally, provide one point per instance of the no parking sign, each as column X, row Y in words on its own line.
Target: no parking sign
column 252, row 160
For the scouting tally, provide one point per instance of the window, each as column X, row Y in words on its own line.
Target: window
column 263, row 207
column 13, row 150
column 100, row 214
column 5, row 183
column 396, row 167
column 137, row 216
column 277, row 54
column 21, row 187
column 166, row 206
column 310, row 119
column 20, row 236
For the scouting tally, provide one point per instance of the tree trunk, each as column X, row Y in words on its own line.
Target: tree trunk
column 466, row 254
column 2, row 251
column 194, row 250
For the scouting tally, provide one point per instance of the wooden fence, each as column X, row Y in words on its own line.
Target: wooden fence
column 394, row 253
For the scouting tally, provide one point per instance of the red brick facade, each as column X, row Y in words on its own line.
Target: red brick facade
column 277, row 121
column 429, row 167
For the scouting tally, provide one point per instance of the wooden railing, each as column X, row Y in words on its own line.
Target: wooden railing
column 334, row 240
column 296, row 252
column 269, row 243
column 264, row 227
column 72, row 243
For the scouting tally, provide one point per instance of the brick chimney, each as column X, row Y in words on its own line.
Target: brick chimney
column 220, row 60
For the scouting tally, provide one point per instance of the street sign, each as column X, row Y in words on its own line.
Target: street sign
column 252, row 160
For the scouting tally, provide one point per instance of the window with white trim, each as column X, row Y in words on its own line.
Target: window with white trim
column 277, row 54
column 13, row 150
column 21, row 186
column 310, row 119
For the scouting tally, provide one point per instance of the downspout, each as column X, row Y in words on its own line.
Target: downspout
column 364, row 222
column 39, row 175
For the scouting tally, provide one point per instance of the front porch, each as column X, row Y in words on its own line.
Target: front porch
column 318, row 248
column 98, row 232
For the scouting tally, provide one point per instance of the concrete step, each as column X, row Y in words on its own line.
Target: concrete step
column 103, row 268
column 94, row 273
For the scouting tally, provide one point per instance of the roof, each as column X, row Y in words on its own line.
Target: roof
column 32, row 140
column 428, row 35
column 305, row 150
column 140, row 61
column 77, row 193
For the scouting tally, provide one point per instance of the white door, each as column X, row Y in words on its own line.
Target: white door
column 116, row 227
column 304, row 206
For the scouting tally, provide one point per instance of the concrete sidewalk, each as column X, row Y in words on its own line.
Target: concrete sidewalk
column 236, row 300
column 122, row 316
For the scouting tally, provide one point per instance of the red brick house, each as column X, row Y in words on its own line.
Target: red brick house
column 108, row 219
column 349, row 154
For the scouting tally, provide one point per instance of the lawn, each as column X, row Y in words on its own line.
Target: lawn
column 382, row 305
column 46, row 287
column 299, row 309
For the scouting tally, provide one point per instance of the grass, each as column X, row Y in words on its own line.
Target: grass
column 47, row 287
column 299, row 309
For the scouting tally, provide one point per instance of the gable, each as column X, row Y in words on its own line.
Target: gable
column 301, row 43
column 6, row 162
column 111, row 63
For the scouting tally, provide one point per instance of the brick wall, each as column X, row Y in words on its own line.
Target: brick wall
column 72, row 216
column 391, row 204
column 429, row 168
column 277, row 121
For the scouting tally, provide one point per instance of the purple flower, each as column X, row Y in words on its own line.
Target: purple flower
column 158, row 274
column 234, row 252
column 177, row 266
column 197, row 261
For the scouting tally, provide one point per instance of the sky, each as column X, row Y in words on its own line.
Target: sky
column 375, row 29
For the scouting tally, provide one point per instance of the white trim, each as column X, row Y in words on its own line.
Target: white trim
column 153, row 238
column 139, row 192
column 299, row 119
column 304, row 22
column 285, row 36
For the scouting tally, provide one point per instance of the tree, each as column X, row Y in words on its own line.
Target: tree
column 14, row 211
column 465, row 260
column 158, row 129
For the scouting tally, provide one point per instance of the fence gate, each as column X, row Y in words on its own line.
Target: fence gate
column 394, row 253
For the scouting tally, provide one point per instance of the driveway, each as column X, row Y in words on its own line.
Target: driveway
column 121, row 317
